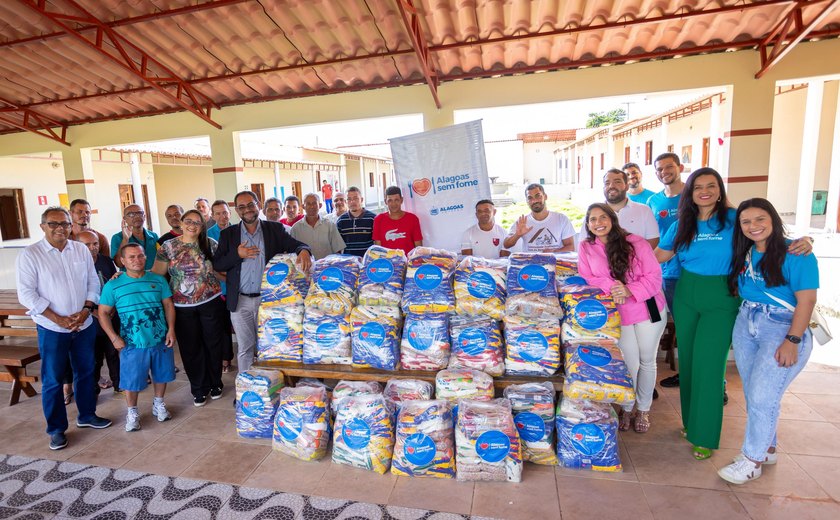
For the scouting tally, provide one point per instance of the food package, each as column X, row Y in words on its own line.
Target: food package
column 596, row 371
column 583, row 410
column 256, row 402
column 364, row 433
column 333, row 288
column 487, row 442
column 282, row 282
column 533, row 414
column 533, row 346
column 591, row 314
column 399, row 390
column 476, row 343
column 280, row 332
column 376, row 337
column 326, row 338
column 302, row 425
column 463, row 383
column 428, row 281
column 425, row 444
column 591, row 446
column 382, row 277
column 344, row 389
column 425, row 342
column 565, row 267
column 481, row 287
column 531, row 289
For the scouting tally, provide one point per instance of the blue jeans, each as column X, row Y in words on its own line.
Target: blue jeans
column 759, row 330
column 57, row 349
column 669, row 285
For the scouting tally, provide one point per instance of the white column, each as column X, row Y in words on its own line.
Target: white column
column 834, row 175
column 277, row 180
column 136, row 182
column 808, row 161
column 715, row 133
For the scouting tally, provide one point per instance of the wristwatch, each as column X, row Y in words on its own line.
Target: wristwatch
column 796, row 340
column 89, row 308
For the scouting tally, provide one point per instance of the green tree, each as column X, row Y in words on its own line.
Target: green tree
column 597, row 119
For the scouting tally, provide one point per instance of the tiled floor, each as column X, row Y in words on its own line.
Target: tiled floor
column 660, row 478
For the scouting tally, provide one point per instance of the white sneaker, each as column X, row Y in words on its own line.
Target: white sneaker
column 160, row 411
column 769, row 458
column 132, row 420
column 740, row 472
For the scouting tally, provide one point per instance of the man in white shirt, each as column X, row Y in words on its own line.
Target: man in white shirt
column 339, row 207
column 486, row 238
column 633, row 217
column 541, row 230
column 57, row 282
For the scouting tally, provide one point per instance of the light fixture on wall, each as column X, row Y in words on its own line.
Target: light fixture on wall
column 55, row 164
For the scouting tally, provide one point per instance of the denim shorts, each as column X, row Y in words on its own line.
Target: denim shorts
column 135, row 364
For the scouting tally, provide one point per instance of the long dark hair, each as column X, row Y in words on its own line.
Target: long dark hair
column 688, row 212
column 770, row 265
column 203, row 241
column 620, row 252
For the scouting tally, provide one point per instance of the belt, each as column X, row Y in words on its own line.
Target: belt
column 250, row 295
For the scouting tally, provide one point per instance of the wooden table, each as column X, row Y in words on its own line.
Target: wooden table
column 14, row 358
column 13, row 319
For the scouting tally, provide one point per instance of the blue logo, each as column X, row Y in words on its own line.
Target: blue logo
column 594, row 356
column 531, row 427
column 251, row 404
column 421, row 334
column 356, row 434
column 428, row 276
column 289, row 424
column 419, row 449
column 277, row 274
column 533, row 278
column 327, row 334
column 277, row 330
column 380, row 270
column 492, row 446
column 481, row 285
column 531, row 345
column 591, row 314
column 330, row 279
column 372, row 335
column 472, row 341
column 588, row 439
column 575, row 280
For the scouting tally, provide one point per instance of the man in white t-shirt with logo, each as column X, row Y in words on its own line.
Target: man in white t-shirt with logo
column 486, row 238
column 541, row 231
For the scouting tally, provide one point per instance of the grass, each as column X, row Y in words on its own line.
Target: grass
column 507, row 216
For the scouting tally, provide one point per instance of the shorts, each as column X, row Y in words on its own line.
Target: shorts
column 135, row 364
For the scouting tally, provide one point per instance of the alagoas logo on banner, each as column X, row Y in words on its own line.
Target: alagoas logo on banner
column 423, row 185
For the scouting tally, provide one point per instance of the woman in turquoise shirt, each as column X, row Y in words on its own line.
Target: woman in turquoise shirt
column 771, row 339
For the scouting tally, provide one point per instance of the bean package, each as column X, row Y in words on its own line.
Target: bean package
column 302, row 424
column 256, row 402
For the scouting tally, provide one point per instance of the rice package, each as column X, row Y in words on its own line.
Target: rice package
column 375, row 337
column 531, row 289
column 565, row 267
column 477, row 343
column 280, row 333
column 302, row 424
column 382, row 277
column 326, row 338
column 590, row 314
column 425, row 342
column 592, row 446
column 487, row 442
column 256, row 402
column 425, row 444
column 399, row 390
column 533, row 346
column 428, row 281
column 282, row 282
column 364, row 433
column 463, row 383
column 533, row 413
column 344, row 389
column 596, row 371
column 333, row 288
column 481, row 287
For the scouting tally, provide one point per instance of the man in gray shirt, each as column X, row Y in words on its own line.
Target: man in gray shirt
column 320, row 234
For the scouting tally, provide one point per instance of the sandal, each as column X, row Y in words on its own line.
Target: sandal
column 105, row 384
column 624, row 420
column 68, row 398
column 642, row 423
column 684, row 433
column 701, row 453
column 225, row 367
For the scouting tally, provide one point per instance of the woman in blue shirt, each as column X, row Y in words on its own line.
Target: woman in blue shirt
column 771, row 338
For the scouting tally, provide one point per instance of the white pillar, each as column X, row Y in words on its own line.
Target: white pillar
column 715, row 133
column 808, row 161
column 136, row 182
column 831, row 212
column 277, row 180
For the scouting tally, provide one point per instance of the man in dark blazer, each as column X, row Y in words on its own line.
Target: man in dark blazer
column 242, row 253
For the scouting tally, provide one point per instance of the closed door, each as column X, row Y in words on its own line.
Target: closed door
column 297, row 190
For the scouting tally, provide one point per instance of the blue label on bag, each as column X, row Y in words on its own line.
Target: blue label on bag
column 591, row 314
column 356, row 434
column 421, row 335
column 472, row 341
column 419, row 449
column 575, row 280
column 531, row 427
column 330, row 279
column 251, row 404
column 288, row 424
column 594, row 356
column 588, row 439
column 533, row 278
column 481, row 285
column 428, row 276
column 531, row 345
column 380, row 270
column 372, row 335
column 277, row 330
column 327, row 335
column 492, row 446
column 277, row 274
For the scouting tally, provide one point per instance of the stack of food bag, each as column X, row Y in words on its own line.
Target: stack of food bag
column 428, row 281
column 256, row 402
column 333, row 288
column 591, row 314
column 364, row 433
column 531, row 289
column 587, row 435
column 425, row 342
column 481, row 287
column 399, row 390
column 596, row 371
column 533, row 346
column 565, row 268
column 302, row 425
column 376, row 337
column 533, row 409
column 477, row 343
column 424, row 441
column 282, row 282
column 345, row 389
column 280, row 332
column 487, row 442
column 326, row 338
column 382, row 277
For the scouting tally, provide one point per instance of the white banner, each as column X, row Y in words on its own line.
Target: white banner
column 442, row 173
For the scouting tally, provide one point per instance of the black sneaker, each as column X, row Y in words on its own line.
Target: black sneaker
column 215, row 393
column 96, row 422
column 655, row 394
column 671, row 382
column 58, row 441
column 200, row 401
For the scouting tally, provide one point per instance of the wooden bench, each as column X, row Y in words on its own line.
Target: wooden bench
column 13, row 318
column 14, row 359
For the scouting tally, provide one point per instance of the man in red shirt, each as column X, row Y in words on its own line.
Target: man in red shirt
column 292, row 210
column 396, row 229
column 326, row 190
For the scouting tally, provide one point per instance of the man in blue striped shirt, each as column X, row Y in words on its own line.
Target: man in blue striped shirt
column 356, row 226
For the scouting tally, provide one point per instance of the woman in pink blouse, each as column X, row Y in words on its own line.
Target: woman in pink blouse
column 623, row 265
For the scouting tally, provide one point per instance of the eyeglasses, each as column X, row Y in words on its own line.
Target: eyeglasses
column 244, row 207
column 132, row 214
column 188, row 222
column 63, row 225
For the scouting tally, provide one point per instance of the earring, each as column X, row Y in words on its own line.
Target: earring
column 718, row 199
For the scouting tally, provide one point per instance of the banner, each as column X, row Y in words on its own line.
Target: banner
column 442, row 173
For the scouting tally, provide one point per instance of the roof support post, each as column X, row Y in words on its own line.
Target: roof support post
column 418, row 42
